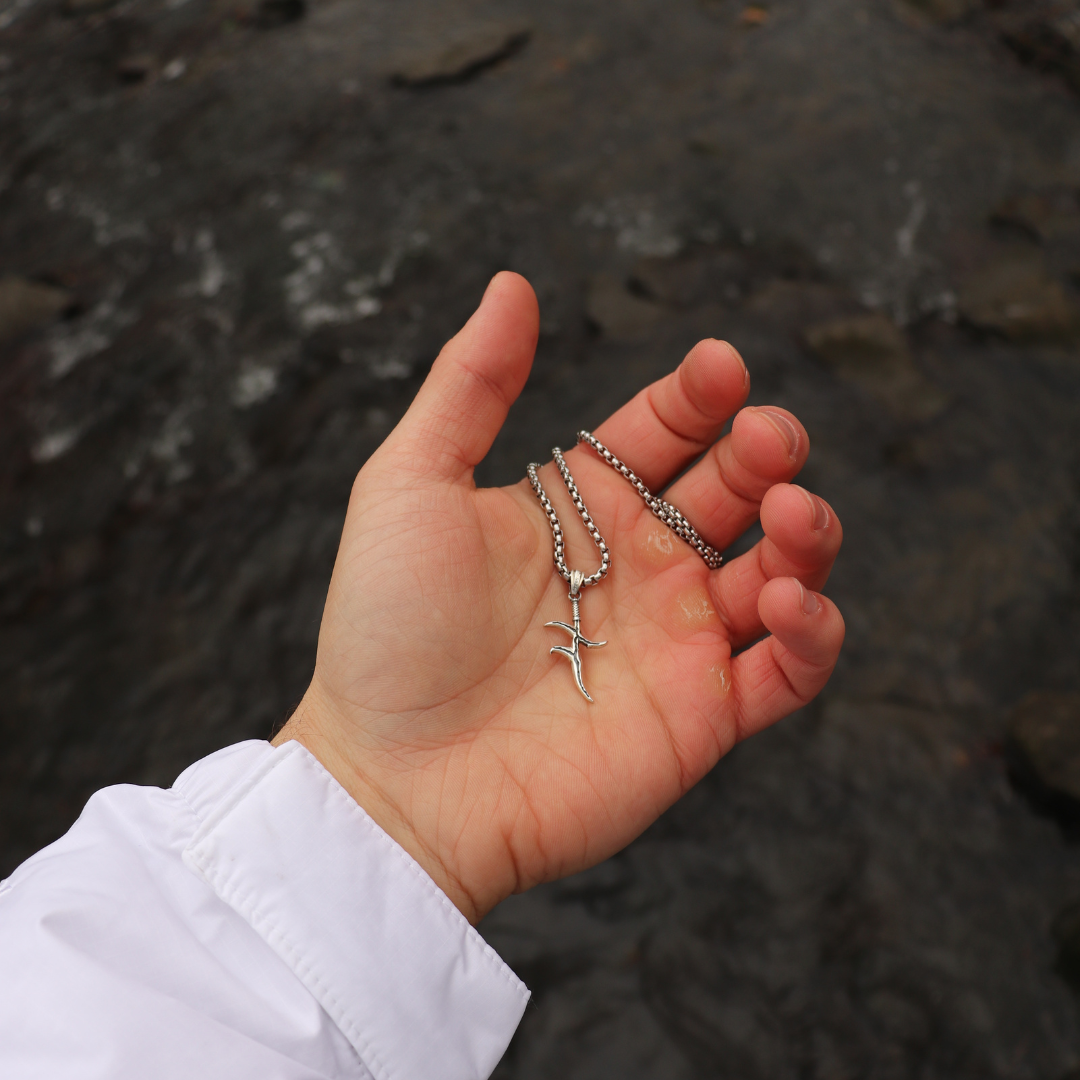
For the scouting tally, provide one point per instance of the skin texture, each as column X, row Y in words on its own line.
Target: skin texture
column 435, row 701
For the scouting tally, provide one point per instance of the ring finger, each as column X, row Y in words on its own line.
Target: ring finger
column 721, row 495
column 802, row 539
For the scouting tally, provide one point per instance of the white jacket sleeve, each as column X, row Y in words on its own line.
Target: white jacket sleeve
column 252, row 921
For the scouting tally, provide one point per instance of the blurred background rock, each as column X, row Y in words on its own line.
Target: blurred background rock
column 234, row 235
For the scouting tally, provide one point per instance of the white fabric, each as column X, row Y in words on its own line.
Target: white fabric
column 252, row 921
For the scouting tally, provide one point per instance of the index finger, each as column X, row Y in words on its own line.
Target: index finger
column 663, row 428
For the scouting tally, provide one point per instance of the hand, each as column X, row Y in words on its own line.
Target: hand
column 435, row 701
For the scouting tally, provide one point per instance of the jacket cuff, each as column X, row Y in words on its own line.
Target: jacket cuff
column 398, row 968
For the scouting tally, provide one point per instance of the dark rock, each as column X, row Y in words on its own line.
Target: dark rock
column 136, row 68
column 1043, row 748
column 871, row 353
column 794, row 305
column 721, row 276
column 1017, row 297
column 1049, row 40
column 273, row 13
column 1066, row 930
column 79, row 560
column 945, row 11
column 1043, row 215
column 616, row 312
column 1050, row 217
column 75, row 8
column 464, row 57
column 25, row 305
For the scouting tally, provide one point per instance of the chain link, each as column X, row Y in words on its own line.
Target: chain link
column 670, row 515
column 556, row 527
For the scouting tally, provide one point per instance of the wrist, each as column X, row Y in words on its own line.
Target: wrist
column 315, row 726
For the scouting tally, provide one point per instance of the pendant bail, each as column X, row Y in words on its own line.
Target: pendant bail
column 576, row 580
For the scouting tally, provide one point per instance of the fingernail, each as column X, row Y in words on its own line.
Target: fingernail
column 818, row 509
column 810, row 602
column 745, row 369
column 738, row 356
column 785, row 427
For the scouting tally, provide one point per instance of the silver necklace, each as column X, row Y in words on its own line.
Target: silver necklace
column 667, row 513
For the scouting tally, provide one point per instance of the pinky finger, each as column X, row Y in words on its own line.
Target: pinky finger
column 788, row 669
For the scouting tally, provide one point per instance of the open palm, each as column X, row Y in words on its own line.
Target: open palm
column 436, row 701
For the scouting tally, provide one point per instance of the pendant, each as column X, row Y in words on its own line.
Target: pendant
column 571, row 652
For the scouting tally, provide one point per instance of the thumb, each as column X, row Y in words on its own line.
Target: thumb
column 459, row 410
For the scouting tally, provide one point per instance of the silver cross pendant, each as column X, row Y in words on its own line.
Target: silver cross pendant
column 572, row 651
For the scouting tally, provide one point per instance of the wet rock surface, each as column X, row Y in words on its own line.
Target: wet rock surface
column 810, row 943
column 870, row 352
column 27, row 305
column 1046, row 36
column 464, row 56
column 1018, row 297
column 251, row 253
